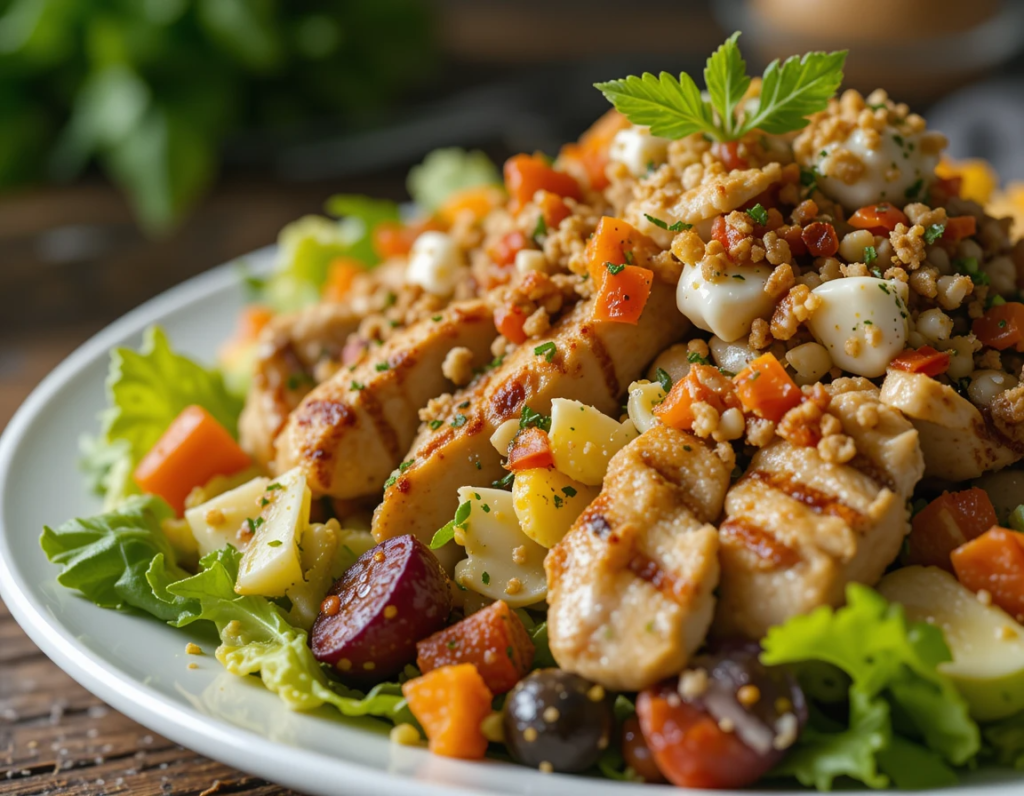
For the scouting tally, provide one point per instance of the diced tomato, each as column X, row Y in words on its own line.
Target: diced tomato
column 591, row 152
column 509, row 321
column 1002, row 326
column 820, row 238
column 450, row 703
column 340, row 275
column 193, row 449
column 493, row 639
column 527, row 174
column 924, row 360
column 729, row 153
column 958, row 228
column 622, row 296
column 394, row 239
column 725, row 234
column 765, row 388
column 554, row 209
column 504, row 251
column 994, row 562
column 702, row 383
column 476, row 202
column 881, row 218
column 948, row 522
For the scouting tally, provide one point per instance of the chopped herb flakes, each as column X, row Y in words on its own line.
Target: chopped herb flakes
column 486, row 578
column 934, row 232
column 435, row 424
column 678, row 226
column 504, row 482
column 870, row 255
column 541, row 229
column 558, row 501
column 530, row 419
column 696, row 359
column 357, row 386
column 663, row 379
column 569, row 491
column 614, row 269
column 458, row 421
column 274, row 543
column 382, row 366
column 546, row 350
column 759, row 214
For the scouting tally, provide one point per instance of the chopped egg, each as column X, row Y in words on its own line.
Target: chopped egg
column 638, row 150
column 862, row 321
column 896, row 170
column 727, row 304
column 435, row 263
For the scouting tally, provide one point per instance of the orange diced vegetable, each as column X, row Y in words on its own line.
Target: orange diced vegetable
column 509, row 321
column 340, row 275
column 450, row 703
column 251, row 322
column 881, row 218
column 702, row 383
column 622, row 295
column 765, row 388
column 527, row 174
column 994, row 562
column 958, row 228
column 553, row 208
column 949, row 521
column 729, row 153
column 194, row 449
column 531, row 449
column 477, row 202
column 494, row 640
column 821, row 239
column 505, row 249
column 1001, row 326
column 924, row 360
column 395, row 239
column 591, row 153
column 615, row 241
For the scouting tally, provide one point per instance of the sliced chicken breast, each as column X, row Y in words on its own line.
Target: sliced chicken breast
column 630, row 587
column 956, row 441
column 798, row 529
column 350, row 432
column 592, row 362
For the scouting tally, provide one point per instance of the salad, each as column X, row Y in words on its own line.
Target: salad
column 690, row 455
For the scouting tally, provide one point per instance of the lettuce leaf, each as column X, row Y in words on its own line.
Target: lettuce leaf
column 444, row 172
column 106, row 558
column 256, row 639
column 1004, row 741
column 360, row 216
column 897, row 696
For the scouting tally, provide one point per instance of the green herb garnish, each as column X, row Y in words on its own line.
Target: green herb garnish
column 934, row 232
column 664, row 379
column 614, row 269
column 679, row 226
column 548, row 349
column 759, row 214
column 870, row 255
column 530, row 419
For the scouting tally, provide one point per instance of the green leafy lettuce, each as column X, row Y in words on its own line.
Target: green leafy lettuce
column 674, row 107
column 906, row 724
column 447, row 171
column 147, row 389
column 1004, row 741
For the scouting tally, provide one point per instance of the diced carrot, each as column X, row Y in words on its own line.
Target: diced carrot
column 945, row 188
column 821, row 239
column 476, row 202
column 493, row 639
column 509, row 321
column 193, row 449
column 994, row 562
column 622, row 296
column 702, row 383
column 729, row 153
column 924, row 360
column 952, row 519
column 340, row 275
column 591, row 152
column 450, row 703
column 504, row 250
column 881, row 218
column 252, row 320
column 958, row 228
column 394, row 239
column 527, row 174
column 765, row 388
column 617, row 242
column 1001, row 326
column 553, row 208
column 531, row 449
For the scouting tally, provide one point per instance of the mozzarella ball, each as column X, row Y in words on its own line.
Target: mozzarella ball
column 727, row 304
column 987, row 384
column 733, row 356
column 435, row 263
column 637, row 150
column 862, row 321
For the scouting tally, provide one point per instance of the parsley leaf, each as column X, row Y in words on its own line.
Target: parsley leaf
column 530, row 419
column 548, row 349
column 446, row 533
column 726, row 79
column 664, row 379
column 934, row 232
column 679, row 226
column 759, row 214
column 614, row 269
column 870, row 255
column 459, row 421
column 541, row 229
column 671, row 107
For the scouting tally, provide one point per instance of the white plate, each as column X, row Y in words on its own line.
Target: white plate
column 140, row 667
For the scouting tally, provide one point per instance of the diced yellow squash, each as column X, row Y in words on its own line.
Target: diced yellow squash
column 217, row 522
column 502, row 563
column 583, row 440
column 547, row 503
column 271, row 564
column 643, row 397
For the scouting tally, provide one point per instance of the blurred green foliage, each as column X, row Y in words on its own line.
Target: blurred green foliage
column 150, row 89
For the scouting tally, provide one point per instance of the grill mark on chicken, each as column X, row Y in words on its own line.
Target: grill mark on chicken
column 817, row 501
column 646, row 568
column 603, row 358
column 508, row 399
column 598, row 524
column 772, row 553
column 385, row 431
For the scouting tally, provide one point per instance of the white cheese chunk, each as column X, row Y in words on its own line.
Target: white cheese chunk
column 727, row 304
column 435, row 263
column 638, row 150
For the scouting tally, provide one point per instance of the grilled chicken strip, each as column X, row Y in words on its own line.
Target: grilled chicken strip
column 284, row 372
column 350, row 432
column 630, row 587
column 799, row 528
column 593, row 362
column 956, row 441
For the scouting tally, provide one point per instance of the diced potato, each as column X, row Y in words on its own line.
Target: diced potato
column 220, row 484
column 503, row 563
column 216, row 522
column 503, row 435
column 271, row 564
column 318, row 555
column 583, row 440
column 547, row 503
column 643, row 397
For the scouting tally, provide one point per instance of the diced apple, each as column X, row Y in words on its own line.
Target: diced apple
column 217, row 522
column 547, row 503
column 583, row 440
column 271, row 564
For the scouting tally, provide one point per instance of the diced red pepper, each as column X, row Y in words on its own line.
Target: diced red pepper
column 527, row 174
column 554, row 209
column 702, row 383
column 949, row 521
column 994, row 562
column 729, row 153
column 509, row 321
column 958, row 228
column 622, row 296
column 504, row 250
column 924, row 360
column 1002, row 326
column 530, row 450
column 880, row 218
column 765, row 388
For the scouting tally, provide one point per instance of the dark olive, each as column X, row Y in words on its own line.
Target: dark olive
column 557, row 721
column 637, row 753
